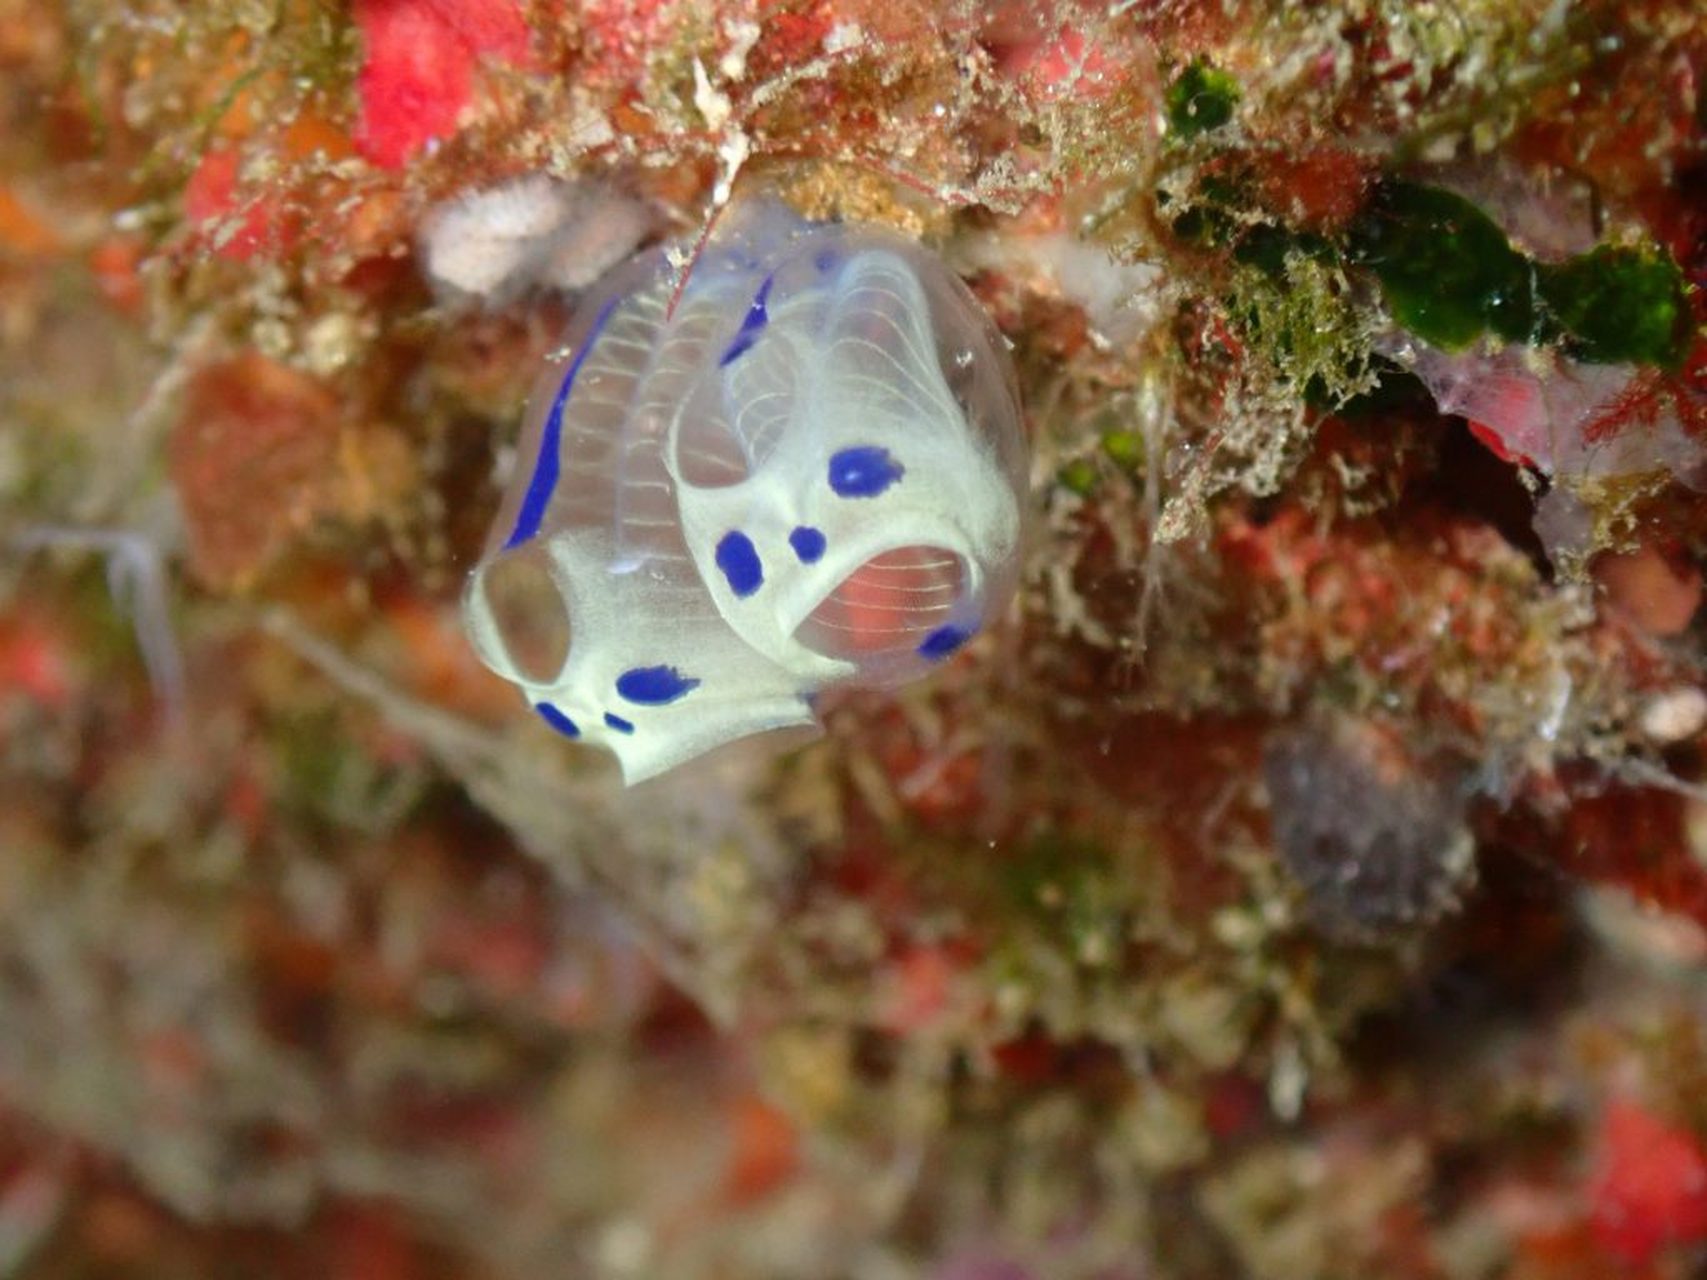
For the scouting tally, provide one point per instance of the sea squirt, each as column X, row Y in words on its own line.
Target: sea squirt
column 806, row 470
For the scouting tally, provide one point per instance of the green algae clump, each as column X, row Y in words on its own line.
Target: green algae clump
column 1201, row 100
column 1449, row 275
column 1078, row 476
column 1124, row 448
column 1446, row 269
column 1620, row 304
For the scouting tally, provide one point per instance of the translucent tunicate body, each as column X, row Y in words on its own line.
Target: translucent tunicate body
column 809, row 473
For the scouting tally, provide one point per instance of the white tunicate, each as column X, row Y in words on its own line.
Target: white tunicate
column 787, row 482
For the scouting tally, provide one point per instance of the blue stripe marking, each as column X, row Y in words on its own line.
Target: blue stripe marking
column 618, row 723
column 739, row 560
column 943, row 641
column 752, row 324
column 557, row 720
column 808, row 543
column 654, row 686
column 863, row 471
column 548, row 464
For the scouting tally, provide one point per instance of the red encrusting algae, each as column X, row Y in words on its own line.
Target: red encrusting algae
column 1649, row 1187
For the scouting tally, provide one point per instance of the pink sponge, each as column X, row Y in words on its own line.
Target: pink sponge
column 418, row 72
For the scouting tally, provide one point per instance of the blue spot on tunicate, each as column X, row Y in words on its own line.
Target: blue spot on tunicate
column 752, row 324
column 825, row 260
column 545, row 467
column 619, row 724
column 808, row 543
column 739, row 561
column 557, row 720
column 863, row 471
column 943, row 641
column 654, row 686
